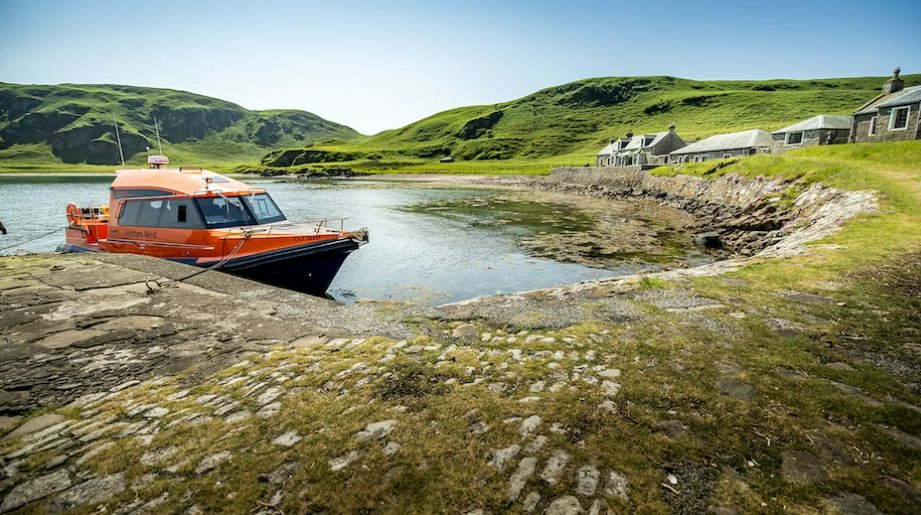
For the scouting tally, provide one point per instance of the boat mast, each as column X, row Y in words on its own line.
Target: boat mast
column 157, row 128
column 118, row 139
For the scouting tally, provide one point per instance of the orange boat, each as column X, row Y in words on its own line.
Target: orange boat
column 201, row 218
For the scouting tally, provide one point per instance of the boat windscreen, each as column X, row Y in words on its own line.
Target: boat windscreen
column 263, row 208
column 224, row 212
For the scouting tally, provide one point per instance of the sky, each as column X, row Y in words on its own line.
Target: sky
column 381, row 65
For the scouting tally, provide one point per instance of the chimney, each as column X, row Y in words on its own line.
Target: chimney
column 629, row 133
column 671, row 127
column 611, row 141
column 894, row 84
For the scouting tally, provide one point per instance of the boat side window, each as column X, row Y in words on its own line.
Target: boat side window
column 264, row 208
column 224, row 212
column 149, row 215
column 179, row 213
column 129, row 213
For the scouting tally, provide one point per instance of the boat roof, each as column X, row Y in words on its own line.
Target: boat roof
column 183, row 181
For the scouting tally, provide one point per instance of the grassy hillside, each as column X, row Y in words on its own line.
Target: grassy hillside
column 568, row 124
column 72, row 123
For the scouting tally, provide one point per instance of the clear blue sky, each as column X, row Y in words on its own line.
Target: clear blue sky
column 380, row 65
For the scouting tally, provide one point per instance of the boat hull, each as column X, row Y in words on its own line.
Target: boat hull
column 306, row 269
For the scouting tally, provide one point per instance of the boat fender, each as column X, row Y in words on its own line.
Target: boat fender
column 73, row 214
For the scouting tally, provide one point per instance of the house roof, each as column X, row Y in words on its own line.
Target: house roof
column 753, row 138
column 906, row 96
column 822, row 121
column 635, row 143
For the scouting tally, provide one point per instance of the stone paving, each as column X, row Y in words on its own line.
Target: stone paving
column 226, row 396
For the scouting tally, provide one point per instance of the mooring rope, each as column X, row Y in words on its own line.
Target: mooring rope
column 49, row 233
column 175, row 282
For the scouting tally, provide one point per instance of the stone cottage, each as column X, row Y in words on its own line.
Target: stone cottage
column 893, row 115
column 644, row 149
column 721, row 146
column 824, row 129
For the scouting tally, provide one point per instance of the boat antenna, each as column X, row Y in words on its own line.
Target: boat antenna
column 157, row 128
column 118, row 139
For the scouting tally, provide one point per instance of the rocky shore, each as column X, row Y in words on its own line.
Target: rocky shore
column 687, row 391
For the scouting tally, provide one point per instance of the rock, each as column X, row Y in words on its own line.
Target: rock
column 56, row 461
column 710, row 240
column 671, row 428
column 478, row 428
column 802, row 467
column 280, row 475
column 587, row 477
column 153, row 458
column 268, row 396
column 902, row 437
column 6, row 421
column 617, row 485
column 376, row 430
column 839, row 365
column 391, row 448
column 337, row 464
column 530, row 502
column 35, row 489
column 238, row 416
column 36, row 424
column 528, row 425
column 465, row 332
column 853, row 504
column 610, row 373
column 288, row 439
column 737, row 389
column 122, row 386
column 536, row 444
column 88, row 493
column 94, row 452
column 157, row 412
column 610, row 388
column 211, row 462
column 520, row 477
column 607, row 406
column 911, row 495
column 269, row 410
column 555, row 466
column 599, row 507
column 501, row 456
column 566, row 505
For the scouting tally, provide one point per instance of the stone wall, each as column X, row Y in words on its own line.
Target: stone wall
column 748, row 215
column 810, row 139
column 862, row 132
column 706, row 156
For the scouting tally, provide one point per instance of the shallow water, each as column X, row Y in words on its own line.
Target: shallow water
column 428, row 244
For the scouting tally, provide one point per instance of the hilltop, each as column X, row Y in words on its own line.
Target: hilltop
column 73, row 123
column 571, row 122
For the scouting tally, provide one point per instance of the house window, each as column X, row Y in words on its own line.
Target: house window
column 872, row 131
column 726, row 156
column 898, row 118
column 794, row 138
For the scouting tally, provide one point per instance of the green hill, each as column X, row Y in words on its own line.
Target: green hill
column 570, row 123
column 71, row 123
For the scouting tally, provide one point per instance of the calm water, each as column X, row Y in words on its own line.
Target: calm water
column 428, row 245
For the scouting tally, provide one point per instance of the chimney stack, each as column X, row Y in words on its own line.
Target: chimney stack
column 895, row 83
column 671, row 127
column 629, row 133
column 611, row 141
